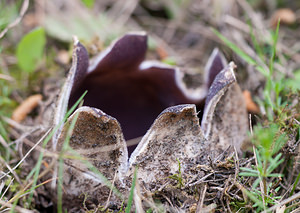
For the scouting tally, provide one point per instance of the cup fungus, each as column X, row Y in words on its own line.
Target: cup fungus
column 129, row 98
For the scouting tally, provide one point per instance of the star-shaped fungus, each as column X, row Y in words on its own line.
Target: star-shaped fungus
column 147, row 104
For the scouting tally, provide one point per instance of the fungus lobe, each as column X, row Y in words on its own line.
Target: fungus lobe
column 131, row 98
column 134, row 91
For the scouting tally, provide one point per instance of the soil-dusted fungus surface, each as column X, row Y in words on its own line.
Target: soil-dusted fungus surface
column 149, row 106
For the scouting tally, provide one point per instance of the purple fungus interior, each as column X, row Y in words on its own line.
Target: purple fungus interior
column 214, row 66
column 134, row 92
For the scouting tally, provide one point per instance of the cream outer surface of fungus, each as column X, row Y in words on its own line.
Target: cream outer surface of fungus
column 131, row 98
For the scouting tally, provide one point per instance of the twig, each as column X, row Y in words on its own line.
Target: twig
column 243, row 189
column 28, row 142
column 26, row 155
column 20, row 195
column 110, row 192
column 284, row 202
column 169, row 201
column 23, row 10
column 250, row 124
column 247, row 162
column 237, row 164
column 296, row 121
column 6, row 146
column 256, row 20
column 261, row 182
column 18, row 126
column 12, row 171
column 138, row 196
column 294, row 205
column 17, row 208
column 201, row 200
column 228, row 205
column 296, row 210
column 6, row 77
column 42, row 174
column 237, row 23
column 201, row 179
column 11, row 181
column 123, row 10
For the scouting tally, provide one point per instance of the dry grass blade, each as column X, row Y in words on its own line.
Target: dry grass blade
column 209, row 208
column 110, row 192
column 122, row 10
column 138, row 197
column 4, row 144
column 18, row 20
column 201, row 200
column 11, row 181
column 10, row 169
column 19, row 126
column 6, row 77
column 261, row 182
column 16, row 208
column 284, row 202
column 27, row 154
column 180, row 34
column 201, row 179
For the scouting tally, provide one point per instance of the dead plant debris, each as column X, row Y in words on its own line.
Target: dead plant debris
column 180, row 32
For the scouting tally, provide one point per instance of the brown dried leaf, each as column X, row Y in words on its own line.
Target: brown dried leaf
column 286, row 16
column 251, row 106
column 63, row 57
column 162, row 52
column 26, row 107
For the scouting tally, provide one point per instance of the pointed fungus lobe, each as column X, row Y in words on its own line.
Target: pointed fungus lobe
column 128, row 98
column 132, row 90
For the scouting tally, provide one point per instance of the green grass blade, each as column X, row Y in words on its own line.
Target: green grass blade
column 275, row 39
column 274, row 164
column 256, row 44
column 98, row 174
column 45, row 142
column 295, row 184
column 248, row 174
column 61, row 164
column 254, row 199
column 235, row 48
column 131, row 194
column 264, row 72
column 275, row 175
